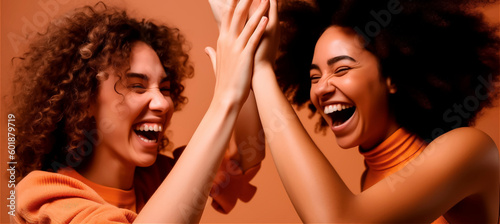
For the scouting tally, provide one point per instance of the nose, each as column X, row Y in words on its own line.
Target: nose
column 324, row 89
column 158, row 101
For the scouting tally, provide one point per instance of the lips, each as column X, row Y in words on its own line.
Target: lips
column 339, row 112
column 148, row 132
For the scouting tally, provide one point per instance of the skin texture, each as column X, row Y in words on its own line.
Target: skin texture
column 140, row 95
column 203, row 154
column 457, row 175
column 353, row 80
column 131, row 81
column 248, row 123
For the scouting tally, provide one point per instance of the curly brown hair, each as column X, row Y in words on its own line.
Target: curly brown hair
column 441, row 55
column 56, row 80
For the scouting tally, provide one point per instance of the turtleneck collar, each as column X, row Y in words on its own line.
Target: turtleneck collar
column 395, row 150
column 390, row 156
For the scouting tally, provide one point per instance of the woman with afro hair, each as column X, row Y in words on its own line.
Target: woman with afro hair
column 93, row 97
column 401, row 80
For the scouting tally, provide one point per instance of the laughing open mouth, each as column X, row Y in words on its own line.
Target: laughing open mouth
column 148, row 133
column 339, row 113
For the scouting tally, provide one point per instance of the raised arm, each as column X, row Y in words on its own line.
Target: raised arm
column 460, row 164
column 249, row 139
column 182, row 195
column 247, row 146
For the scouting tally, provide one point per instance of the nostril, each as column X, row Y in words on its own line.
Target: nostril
column 324, row 88
column 326, row 96
column 159, row 103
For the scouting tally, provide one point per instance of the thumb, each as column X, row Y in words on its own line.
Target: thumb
column 213, row 57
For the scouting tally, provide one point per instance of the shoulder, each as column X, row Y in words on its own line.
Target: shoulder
column 468, row 148
column 43, row 179
column 46, row 196
column 468, row 131
column 44, row 185
column 467, row 138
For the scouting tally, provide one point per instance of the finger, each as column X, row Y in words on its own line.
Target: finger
column 254, row 21
column 212, row 55
column 223, row 11
column 240, row 16
column 273, row 13
column 254, row 40
column 217, row 7
column 254, row 7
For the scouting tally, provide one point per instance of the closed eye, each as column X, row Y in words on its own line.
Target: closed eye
column 137, row 87
column 342, row 70
column 165, row 91
column 315, row 79
column 165, row 87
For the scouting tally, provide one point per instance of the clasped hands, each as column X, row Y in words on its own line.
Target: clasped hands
column 248, row 39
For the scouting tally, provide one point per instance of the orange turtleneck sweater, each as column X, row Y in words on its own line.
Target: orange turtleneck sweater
column 391, row 156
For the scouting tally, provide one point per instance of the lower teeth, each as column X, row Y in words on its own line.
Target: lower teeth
column 337, row 123
column 147, row 140
column 340, row 117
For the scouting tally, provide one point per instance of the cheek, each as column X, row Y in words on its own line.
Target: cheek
column 107, row 125
column 362, row 88
column 353, row 86
column 170, row 109
column 132, row 105
column 314, row 98
column 121, row 110
column 109, row 114
column 374, row 104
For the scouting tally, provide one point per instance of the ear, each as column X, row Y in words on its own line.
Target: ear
column 391, row 86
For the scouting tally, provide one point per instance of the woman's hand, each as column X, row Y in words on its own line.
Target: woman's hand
column 236, row 46
column 268, row 47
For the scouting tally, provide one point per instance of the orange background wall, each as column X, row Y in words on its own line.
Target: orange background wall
column 194, row 18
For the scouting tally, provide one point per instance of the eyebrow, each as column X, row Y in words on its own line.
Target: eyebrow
column 137, row 75
column 334, row 60
column 144, row 77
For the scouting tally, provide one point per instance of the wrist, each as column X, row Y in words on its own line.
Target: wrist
column 263, row 67
column 231, row 101
column 262, row 64
column 263, row 73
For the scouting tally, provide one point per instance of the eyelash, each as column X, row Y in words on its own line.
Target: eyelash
column 136, row 86
column 142, row 89
column 167, row 90
column 315, row 78
column 342, row 69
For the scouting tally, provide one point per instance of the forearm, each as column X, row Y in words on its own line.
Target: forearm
column 249, row 135
column 183, row 194
column 312, row 184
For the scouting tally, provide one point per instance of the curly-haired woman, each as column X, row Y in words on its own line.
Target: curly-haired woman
column 401, row 80
column 93, row 97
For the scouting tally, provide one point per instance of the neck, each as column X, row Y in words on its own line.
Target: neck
column 106, row 170
column 369, row 145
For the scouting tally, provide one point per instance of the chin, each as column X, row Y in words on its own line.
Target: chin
column 346, row 145
column 147, row 160
column 346, row 142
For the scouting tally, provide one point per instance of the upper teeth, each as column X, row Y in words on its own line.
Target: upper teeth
column 336, row 107
column 151, row 127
